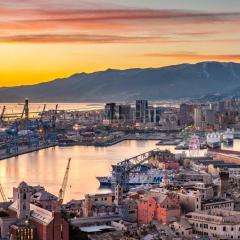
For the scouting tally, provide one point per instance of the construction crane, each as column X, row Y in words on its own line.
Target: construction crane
column 4, row 198
column 64, row 184
column 25, row 109
column 43, row 111
column 54, row 116
column 2, row 114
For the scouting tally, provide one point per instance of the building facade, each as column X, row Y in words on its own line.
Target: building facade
column 162, row 208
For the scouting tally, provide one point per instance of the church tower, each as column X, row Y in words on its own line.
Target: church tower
column 23, row 201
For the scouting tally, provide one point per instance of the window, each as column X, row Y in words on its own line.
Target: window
column 224, row 229
column 24, row 196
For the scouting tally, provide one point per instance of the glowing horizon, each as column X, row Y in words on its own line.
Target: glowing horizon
column 42, row 41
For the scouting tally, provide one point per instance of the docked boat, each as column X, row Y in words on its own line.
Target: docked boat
column 182, row 146
column 213, row 140
column 151, row 176
column 228, row 136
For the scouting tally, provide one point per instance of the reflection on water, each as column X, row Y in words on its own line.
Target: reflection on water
column 47, row 167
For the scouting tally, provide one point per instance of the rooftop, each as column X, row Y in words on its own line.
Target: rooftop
column 36, row 213
column 93, row 229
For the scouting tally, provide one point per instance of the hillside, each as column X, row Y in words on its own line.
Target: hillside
column 172, row 82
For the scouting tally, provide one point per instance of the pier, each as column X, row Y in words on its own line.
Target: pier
column 23, row 150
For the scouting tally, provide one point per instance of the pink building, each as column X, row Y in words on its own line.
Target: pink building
column 163, row 208
column 169, row 165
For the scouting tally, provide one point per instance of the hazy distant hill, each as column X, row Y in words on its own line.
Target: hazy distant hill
column 173, row 82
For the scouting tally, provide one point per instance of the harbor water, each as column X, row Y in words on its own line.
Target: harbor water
column 47, row 167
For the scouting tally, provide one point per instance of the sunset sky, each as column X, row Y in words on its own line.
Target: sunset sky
column 47, row 39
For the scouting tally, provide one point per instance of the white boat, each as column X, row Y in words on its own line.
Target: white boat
column 214, row 140
column 152, row 176
column 228, row 136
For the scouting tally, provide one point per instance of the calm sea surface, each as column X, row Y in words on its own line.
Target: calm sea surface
column 47, row 167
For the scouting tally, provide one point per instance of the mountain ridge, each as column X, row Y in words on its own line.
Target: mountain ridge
column 169, row 82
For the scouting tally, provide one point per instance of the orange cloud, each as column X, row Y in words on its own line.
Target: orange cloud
column 79, row 38
column 195, row 56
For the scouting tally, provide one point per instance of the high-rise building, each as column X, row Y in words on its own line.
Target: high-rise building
column 185, row 112
column 198, row 117
column 111, row 111
column 141, row 111
column 209, row 116
column 125, row 113
column 154, row 114
column 221, row 106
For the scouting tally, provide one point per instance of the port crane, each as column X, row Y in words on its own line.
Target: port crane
column 2, row 115
column 25, row 110
column 43, row 111
column 64, row 184
column 4, row 198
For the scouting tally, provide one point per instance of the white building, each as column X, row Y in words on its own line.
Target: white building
column 220, row 223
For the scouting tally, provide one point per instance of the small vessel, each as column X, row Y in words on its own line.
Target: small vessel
column 182, row 146
column 214, row 140
column 228, row 136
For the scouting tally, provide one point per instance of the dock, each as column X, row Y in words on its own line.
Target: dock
column 24, row 150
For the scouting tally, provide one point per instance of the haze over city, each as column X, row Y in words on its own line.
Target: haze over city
column 44, row 40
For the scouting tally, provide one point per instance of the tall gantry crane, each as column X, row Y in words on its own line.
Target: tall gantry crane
column 25, row 109
column 122, row 170
column 4, row 198
column 3, row 111
column 64, row 184
column 43, row 111
column 2, row 115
